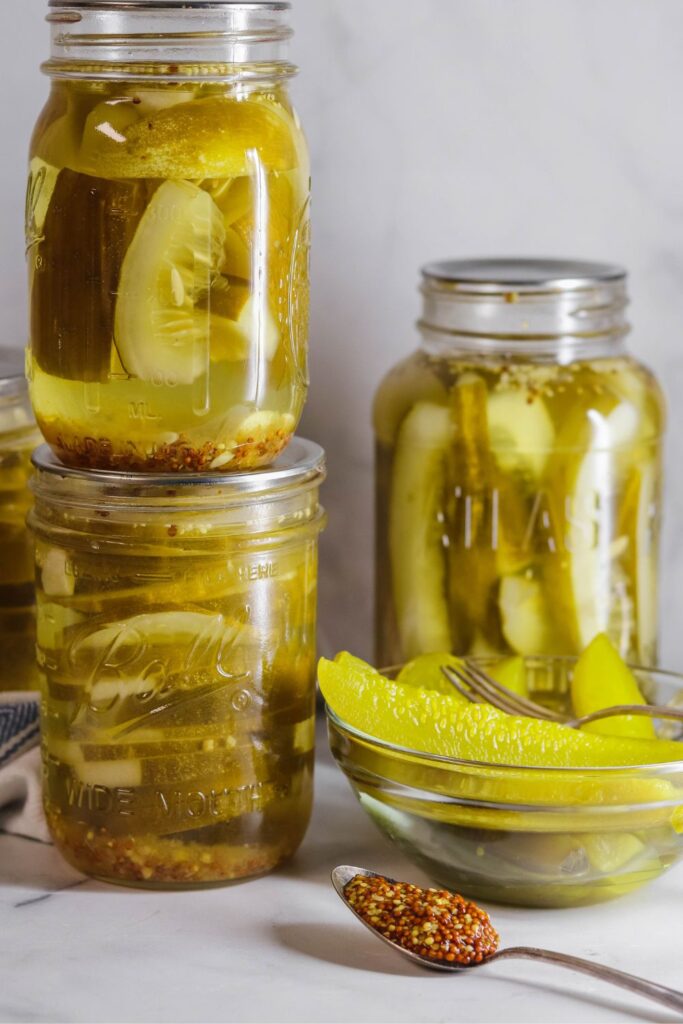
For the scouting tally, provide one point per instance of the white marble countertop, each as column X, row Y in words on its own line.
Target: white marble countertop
column 283, row 948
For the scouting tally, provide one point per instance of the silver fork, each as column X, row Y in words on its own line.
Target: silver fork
column 480, row 688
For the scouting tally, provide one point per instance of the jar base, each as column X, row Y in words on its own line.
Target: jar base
column 159, row 862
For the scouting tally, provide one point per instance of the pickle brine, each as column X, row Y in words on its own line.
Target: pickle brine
column 167, row 239
column 536, row 523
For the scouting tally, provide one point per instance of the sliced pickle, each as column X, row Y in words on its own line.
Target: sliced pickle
column 105, row 134
column 608, row 852
column 165, row 629
column 511, row 673
column 56, row 573
column 51, row 622
column 173, row 260
column 113, row 774
column 215, row 137
column 425, row 671
column 416, row 530
column 233, row 197
column 521, row 432
column 76, row 269
column 41, row 185
column 525, row 615
column 240, row 323
column 601, row 679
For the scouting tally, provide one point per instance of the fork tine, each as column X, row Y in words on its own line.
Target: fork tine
column 474, row 690
column 461, row 684
column 520, row 705
column 495, row 694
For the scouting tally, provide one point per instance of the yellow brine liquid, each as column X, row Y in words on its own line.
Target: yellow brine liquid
column 167, row 238
column 518, row 506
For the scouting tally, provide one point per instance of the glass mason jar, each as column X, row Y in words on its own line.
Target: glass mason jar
column 518, row 468
column 176, row 645
column 167, row 237
column 19, row 436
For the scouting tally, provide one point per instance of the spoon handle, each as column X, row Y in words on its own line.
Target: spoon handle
column 660, row 993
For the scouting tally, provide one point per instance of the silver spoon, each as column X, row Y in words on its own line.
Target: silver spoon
column 343, row 874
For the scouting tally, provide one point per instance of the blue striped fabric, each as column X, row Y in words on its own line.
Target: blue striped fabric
column 19, row 726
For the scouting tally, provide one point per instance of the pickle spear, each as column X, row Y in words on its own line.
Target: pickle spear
column 472, row 551
column 521, row 432
column 416, row 530
column 584, row 487
column 601, row 679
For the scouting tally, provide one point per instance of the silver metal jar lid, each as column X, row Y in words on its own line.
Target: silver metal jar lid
column 502, row 275
column 525, row 299
column 302, row 463
column 203, row 5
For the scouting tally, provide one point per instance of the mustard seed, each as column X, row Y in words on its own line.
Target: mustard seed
column 436, row 924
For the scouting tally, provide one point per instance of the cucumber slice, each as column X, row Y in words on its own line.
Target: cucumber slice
column 172, row 262
column 216, row 137
column 41, row 185
column 56, row 573
column 240, row 323
column 156, row 629
column 524, row 615
column 126, row 774
column 521, row 432
column 608, row 852
column 416, row 530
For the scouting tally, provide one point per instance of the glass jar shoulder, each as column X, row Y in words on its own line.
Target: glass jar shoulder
column 416, row 379
column 606, row 401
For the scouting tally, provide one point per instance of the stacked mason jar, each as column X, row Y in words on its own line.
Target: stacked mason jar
column 176, row 516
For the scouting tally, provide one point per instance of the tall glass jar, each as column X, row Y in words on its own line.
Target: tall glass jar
column 19, row 436
column 167, row 237
column 518, row 468
column 176, row 645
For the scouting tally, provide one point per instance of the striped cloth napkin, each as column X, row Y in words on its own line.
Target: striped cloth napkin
column 20, row 801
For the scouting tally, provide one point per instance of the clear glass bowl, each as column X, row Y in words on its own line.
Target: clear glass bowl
column 545, row 837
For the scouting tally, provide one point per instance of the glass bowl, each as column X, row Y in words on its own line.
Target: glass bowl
column 543, row 837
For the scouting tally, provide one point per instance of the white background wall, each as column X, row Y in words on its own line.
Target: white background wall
column 445, row 128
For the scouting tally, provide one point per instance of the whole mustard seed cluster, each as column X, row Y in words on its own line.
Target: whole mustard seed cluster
column 434, row 923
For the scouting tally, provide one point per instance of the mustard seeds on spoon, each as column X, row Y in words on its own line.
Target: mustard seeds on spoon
column 434, row 923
